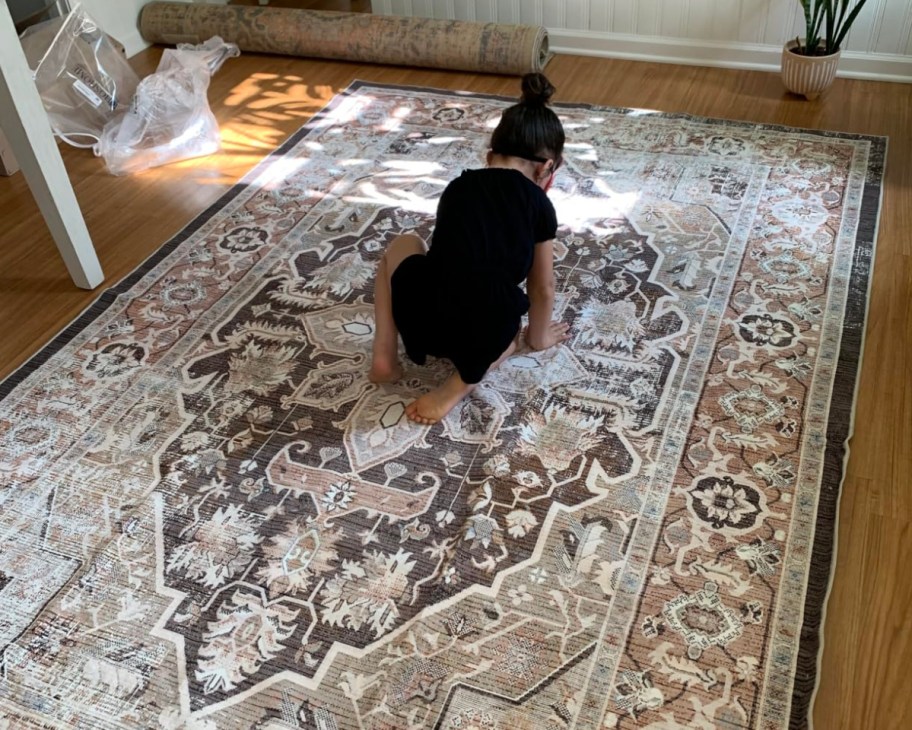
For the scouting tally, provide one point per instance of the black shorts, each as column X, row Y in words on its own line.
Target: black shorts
column 469, row 320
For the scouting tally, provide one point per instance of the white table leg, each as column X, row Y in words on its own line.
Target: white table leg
column 25, row 124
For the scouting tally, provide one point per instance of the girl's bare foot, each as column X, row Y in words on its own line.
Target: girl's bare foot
column 384, row 371
column 433, row 407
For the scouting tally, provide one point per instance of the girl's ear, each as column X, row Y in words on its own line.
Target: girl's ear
column 548, row 183
column 544, row 171
column 544, row 174
column 489, row 157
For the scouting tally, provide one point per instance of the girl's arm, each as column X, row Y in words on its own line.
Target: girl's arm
column 543, row 332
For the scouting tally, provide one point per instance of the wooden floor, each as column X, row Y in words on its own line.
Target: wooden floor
column 261, row 100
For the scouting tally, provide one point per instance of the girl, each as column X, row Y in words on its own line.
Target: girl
column 460, row 299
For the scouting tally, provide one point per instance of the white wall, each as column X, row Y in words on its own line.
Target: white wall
column 120, row 19
column 731, row 33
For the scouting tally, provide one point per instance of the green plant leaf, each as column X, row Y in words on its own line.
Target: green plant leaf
column 843, row 29
column 827, row 22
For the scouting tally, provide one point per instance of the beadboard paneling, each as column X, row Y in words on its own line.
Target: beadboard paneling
column 739, row 33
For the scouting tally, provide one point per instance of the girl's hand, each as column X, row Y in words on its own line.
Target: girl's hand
column 555, row 333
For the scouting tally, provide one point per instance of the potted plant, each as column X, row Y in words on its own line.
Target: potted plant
column 809, row 64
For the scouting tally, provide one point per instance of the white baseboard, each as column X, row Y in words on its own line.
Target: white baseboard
column 874, row 66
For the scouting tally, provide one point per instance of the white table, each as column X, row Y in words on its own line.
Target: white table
column 25, row 124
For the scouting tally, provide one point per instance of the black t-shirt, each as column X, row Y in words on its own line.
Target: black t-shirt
column 488, row 222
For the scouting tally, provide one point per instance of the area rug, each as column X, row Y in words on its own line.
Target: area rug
column 210, row 519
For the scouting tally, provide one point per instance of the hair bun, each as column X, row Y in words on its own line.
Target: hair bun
column 536, row 90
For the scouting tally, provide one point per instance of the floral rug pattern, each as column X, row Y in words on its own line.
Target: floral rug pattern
column 211, row 519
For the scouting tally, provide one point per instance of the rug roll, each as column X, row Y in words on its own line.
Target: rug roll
column 446, row 44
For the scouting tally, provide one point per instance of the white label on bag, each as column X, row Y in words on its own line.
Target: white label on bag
column 93, row 98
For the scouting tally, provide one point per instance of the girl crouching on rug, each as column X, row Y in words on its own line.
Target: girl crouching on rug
column 460, row 299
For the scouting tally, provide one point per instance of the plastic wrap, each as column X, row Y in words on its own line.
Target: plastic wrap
column 170, row 118
column 82, row 76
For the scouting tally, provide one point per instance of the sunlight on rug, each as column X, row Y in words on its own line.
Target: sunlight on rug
column 211, row 519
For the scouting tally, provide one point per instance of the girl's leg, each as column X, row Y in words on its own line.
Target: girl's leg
column 434, row 406
column 385, row 365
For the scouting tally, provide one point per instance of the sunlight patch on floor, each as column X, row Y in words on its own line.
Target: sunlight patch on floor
column 587, row 213
column 281, row 171
column 399, row 198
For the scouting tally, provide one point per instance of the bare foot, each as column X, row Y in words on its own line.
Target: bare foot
column 433, row 407
column 384, row 371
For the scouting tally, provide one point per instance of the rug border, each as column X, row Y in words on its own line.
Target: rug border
column 838, row 452
column 846, row 381
column 557, row 105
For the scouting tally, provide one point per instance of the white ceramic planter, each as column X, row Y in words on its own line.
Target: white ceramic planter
column 808, row 75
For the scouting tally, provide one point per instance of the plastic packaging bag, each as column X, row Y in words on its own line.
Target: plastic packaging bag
column 169, row 119
column 36, row 39
column 83, row 78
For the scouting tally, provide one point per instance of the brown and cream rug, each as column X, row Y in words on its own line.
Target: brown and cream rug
column 209, row 519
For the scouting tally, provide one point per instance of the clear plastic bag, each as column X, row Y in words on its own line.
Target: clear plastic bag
column 36, row 39
column 83, row 78
column 169, row 119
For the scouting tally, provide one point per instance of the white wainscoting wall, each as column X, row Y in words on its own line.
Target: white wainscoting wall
column 120, row 18
column 729, row 33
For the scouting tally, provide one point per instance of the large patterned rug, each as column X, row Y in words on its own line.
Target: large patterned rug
column 211, row 520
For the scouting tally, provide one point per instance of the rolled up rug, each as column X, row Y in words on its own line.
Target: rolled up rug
column 400, row 41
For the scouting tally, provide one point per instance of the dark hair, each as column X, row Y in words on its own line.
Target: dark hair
column 530, row 129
